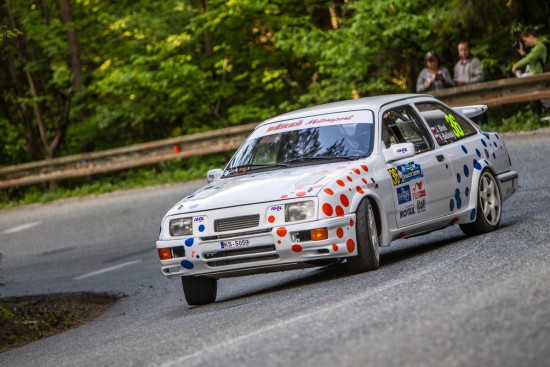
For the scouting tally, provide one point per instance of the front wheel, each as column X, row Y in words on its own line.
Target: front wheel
column 199, row 290
column 368, row 253
column 489, row 207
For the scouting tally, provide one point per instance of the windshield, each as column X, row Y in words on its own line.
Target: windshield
column 313, row 145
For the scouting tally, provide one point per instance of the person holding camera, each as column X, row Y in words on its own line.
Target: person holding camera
column 433, row 76
column 536, row 58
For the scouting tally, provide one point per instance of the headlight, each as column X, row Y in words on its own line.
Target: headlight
column 181, row 227
column 299, row 211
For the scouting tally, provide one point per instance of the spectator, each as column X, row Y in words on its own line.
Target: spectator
column 468, row 70
column 433, row 76
column 536, row 58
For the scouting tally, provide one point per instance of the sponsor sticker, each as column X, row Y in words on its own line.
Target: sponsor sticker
column 403, row 194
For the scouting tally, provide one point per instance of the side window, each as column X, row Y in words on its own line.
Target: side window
column 402, row 125
column 445, row 125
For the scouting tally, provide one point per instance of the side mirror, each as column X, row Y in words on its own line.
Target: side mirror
column 214, row 174
column 399, row 151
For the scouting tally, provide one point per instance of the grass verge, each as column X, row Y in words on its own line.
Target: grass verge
column 26, row 319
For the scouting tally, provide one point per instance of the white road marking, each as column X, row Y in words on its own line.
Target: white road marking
column 106, row 270
column 22, row 227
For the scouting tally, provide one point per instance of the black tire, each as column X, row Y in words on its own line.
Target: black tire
column 368, row 254
column 489, row 207
column 199, row 290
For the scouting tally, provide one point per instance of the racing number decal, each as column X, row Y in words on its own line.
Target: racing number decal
column 454, row 125
column 394, row 176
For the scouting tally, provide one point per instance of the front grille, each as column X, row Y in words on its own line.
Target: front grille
column 231, row 224
column 240, row 234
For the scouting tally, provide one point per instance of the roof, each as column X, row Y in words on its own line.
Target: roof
column 371, row 103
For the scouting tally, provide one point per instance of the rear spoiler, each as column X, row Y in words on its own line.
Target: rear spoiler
column 476, row 113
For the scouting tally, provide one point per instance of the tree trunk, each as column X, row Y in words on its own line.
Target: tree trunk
column 72, row 42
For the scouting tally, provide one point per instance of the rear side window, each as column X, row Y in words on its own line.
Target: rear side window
column 445, row 125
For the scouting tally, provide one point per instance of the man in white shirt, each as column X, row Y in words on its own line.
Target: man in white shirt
column 468, row 70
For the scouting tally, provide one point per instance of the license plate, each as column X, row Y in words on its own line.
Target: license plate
column 235, row 243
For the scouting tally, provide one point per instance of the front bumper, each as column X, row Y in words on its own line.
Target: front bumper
column 268, row 249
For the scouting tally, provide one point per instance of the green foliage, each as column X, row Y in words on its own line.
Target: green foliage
column 523, row 120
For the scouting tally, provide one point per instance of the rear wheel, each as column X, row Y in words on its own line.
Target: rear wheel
column 489, row 207
column 199, row 290
column 368, row 254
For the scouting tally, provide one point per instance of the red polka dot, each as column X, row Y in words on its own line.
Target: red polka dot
column 301, row 193
column 356, row 170
column 339, row 211
column 327, row 209
column 318, row 186
column 340, row 232
column 349, row 178
column 284, row 196
column 329, row 191
column 364, row 167
column 296, row 248
column 271, row 219
column 364, row 180
column 360, row 190
column 298, row 187
column 281, row 231
column 335, row 247
column 341, row 183
column 350, row 244
column 278, row 242
column 344, row 200
column 351, row 222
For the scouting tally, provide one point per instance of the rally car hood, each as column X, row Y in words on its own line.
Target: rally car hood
column 262, row 187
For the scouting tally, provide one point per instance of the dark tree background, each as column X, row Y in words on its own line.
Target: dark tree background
column 85, row 75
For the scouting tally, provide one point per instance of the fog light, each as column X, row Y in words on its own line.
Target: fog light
column 319, row 234
column 165, row 253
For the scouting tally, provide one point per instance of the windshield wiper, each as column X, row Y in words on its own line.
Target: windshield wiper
column 324, row 158
column 235, row 169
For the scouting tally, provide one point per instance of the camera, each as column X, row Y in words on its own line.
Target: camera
column 439, row 76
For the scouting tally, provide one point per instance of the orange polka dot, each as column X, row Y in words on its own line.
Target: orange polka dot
column 364, row 180
column 298, row 187
column 360, row 190
column 349, row 178
column 301, row 193
column 364, row 167
column 328, row 191
column 356, row 170
column 350, row 244
column 335, row 247
column 271, row 219
column 284, row 196
column 327, row 209
column 344, row 200
column 296, row 248
column 339, row 211
column 281, row 231
column 341, row 183
column 340, row 232
column 351, row 222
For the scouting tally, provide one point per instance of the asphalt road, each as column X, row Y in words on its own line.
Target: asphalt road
column 437, row 300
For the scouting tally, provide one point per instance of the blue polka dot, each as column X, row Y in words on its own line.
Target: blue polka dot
column 473, row 214
column 495, row 144
column 464, row 149
column 466, row 171
column 193, row 206
column 478, row 153
column 484, row 143
column 494, row 156
column 458, row 202
column 190, row 196
column 487, row 136
column 477, row 165
column 496, row 136
column 198, row 256
column 187, row 264
column 201, row 228
column 452, row 205
column 458, row 178
column 189, row 242
column 467, row 191
column 486, row 153
column 485, row 160
column 160, row 230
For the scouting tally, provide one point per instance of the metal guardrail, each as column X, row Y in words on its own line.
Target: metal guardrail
column 87, row 164
column 493, row 93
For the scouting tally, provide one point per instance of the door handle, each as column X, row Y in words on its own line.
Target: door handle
column 440, row 157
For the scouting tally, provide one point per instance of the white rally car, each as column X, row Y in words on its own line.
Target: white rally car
column 333, row 183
